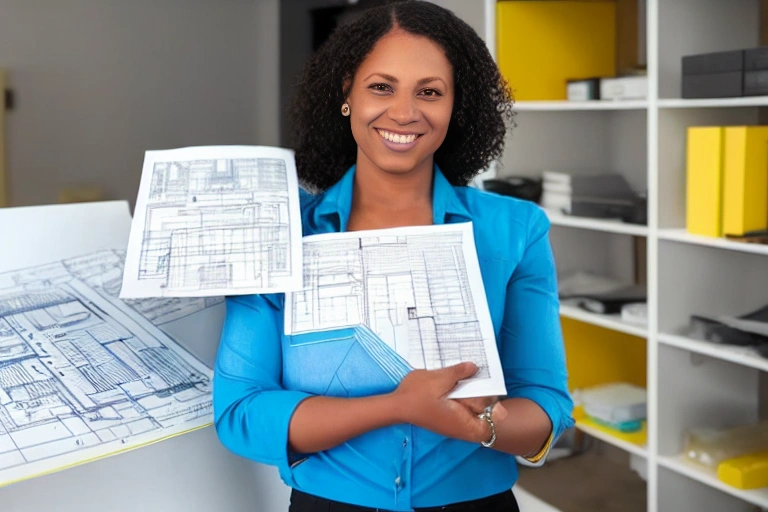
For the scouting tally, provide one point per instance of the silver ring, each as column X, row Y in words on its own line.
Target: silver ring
column 486, row 416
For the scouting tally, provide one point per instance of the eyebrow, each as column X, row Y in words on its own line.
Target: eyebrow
column 392, row 79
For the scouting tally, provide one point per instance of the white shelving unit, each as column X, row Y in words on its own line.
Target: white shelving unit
column 757, row 101
column 745, row 356
column 708, row 477
column 613, row 322
column 608, row 226
column 690, row 383
column 681, row 235
column 538, row 106
column 634, row 449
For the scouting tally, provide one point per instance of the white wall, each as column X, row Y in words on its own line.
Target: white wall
column 98, row 82
column 267, row 71
column 471, row 11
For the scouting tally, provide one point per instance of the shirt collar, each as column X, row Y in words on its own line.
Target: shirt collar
column 337, row 200
column 445, row 202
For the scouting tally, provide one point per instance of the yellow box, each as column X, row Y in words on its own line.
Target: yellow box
column 543, row 43
column 704, row 180
column 745, row 472
column 745, row 200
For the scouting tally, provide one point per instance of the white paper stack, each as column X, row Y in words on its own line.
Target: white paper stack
column 556, row 191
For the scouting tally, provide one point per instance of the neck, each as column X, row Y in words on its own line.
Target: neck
column 381, row 199
column 382, row 190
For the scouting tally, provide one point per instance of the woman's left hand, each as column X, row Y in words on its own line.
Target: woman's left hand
column 479, row 404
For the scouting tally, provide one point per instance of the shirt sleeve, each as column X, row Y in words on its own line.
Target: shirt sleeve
column 532, row 352
column 252, row 412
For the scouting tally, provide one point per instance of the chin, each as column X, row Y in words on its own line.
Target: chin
column 397, row 165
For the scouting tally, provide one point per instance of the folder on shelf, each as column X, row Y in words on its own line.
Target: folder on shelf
column 541, row 44
column 704, row 175
column 745, row 200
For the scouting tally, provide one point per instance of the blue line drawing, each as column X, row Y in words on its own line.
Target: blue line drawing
column 407, row 294
column 84, row 374
column 211, row 223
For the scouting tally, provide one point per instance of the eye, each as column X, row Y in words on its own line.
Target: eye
column 380, row 88
column 431, row 93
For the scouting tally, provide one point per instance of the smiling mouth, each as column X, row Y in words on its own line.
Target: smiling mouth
column 398, row 139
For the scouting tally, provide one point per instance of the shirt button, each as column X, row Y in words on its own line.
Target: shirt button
column 405, row 442
column 398, row 482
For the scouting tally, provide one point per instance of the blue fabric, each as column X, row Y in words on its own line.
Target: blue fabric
column 261, row 375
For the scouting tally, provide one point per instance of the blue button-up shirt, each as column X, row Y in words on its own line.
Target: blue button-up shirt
column 262, row 375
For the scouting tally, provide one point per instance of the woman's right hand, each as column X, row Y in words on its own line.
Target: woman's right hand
column 421, row 400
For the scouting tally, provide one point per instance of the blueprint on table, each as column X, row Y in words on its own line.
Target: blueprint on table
column 213, row 221
column 84, row 374
column 414, row 295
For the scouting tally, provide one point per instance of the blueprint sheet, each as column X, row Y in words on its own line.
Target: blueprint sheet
column 83, row 374
column 215, row 220
column 417, row 289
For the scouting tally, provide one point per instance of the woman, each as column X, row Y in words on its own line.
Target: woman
column 395, row 114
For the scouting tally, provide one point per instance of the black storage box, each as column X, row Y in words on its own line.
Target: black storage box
column 756, row 71
column 713, row 75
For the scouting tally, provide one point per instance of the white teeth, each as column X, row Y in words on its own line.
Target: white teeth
column 399, row 139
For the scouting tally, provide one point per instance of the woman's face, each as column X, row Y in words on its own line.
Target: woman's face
column 401, row 101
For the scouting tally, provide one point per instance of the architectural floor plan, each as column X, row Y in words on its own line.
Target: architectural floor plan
column 214, row 221
column 84, row 374
column 418, row 291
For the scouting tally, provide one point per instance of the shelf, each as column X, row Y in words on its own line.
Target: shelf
column 681, row 235
column 745, row 356
column 586, row 427
column 680, row 465
column 751, row 101
column 613, row 322
column 556, row 106
column 610, row 226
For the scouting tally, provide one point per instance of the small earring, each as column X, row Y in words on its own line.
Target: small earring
column 345, row 110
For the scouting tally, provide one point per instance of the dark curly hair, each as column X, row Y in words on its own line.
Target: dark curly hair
column 323, row 141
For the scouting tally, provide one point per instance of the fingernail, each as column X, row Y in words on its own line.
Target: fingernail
column 499, row 411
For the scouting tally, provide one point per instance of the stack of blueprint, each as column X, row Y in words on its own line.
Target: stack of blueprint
column 105, row 320
column 226, row 221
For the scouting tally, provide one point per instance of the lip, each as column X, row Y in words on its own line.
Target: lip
column 396, row 146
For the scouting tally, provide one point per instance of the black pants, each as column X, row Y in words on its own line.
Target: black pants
column 504, row 502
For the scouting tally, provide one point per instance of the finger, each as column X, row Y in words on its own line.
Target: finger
column 476, row 405
column 469, row 403
column 499, row 413
column 461, row 371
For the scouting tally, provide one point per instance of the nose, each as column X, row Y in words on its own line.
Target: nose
column 403, row 109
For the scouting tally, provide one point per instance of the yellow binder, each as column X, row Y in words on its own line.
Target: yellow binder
column 745, row 206
column 543, row 43
column 704, row 180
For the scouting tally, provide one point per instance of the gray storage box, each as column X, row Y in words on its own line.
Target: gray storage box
column 713, row 75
